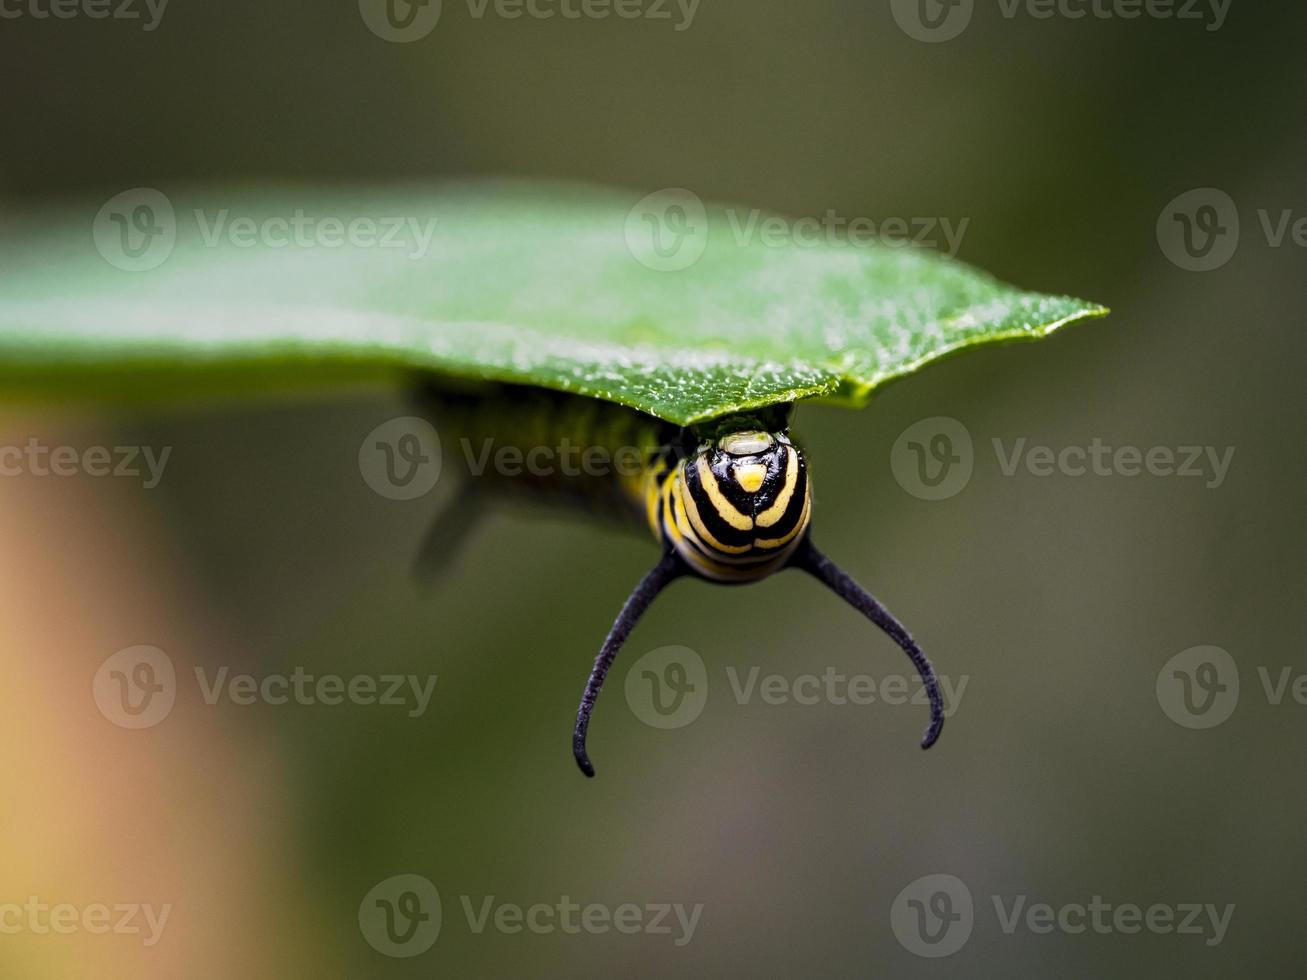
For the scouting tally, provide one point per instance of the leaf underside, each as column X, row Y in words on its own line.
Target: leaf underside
column 555, row 285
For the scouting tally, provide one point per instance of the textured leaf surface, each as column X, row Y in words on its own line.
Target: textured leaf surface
column 653, row 303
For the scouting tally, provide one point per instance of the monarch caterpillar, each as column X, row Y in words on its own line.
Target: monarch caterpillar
column 729, row 501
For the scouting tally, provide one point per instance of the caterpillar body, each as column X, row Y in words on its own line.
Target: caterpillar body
column 728, row 501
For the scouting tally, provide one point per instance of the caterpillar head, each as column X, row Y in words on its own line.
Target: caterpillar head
column 734, row 510
column 737, row 507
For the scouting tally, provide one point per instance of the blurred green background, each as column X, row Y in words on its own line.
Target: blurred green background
column 1059, row 599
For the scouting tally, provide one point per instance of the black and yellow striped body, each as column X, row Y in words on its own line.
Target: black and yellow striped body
column 729, row 501
column 737, row 508
column 732, row 500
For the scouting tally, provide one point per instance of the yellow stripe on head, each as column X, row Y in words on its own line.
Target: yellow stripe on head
column 777, row 510
column 725, row 509
column 798, row 527
column 750, row 476
column 700, row 529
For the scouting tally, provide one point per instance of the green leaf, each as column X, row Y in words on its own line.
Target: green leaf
column 684, row 312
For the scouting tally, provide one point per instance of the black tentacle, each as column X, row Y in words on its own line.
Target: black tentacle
column 658, row 578
column 817, row 564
